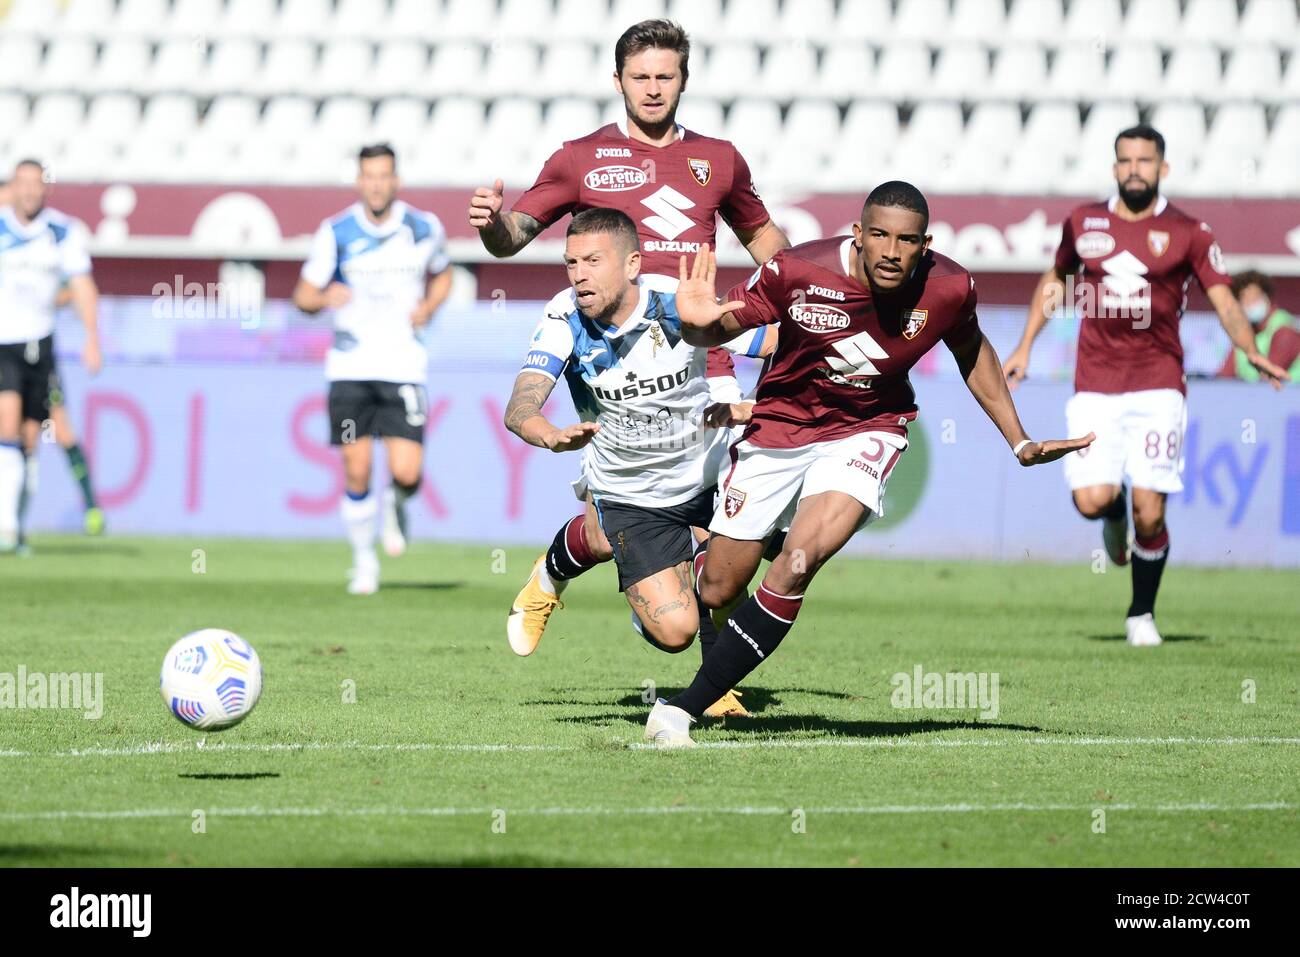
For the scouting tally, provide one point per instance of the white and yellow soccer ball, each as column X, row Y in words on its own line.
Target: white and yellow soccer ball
column 211, row 679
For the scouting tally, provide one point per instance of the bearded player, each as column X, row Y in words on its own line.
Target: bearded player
column 831, row 418
column 673, row 183
column 1137, row 254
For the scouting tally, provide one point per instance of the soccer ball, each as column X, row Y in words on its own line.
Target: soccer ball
column 211, row 679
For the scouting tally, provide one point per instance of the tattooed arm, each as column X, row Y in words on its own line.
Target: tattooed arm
column 503, row 233
column 524, row 417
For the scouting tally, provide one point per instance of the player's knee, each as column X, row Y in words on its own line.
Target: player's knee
column 1148, row 522
column 716, row 592
column 408, row 486
column 1092, row 504
column 671, row 637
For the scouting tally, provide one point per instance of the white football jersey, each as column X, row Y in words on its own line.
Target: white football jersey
column 386, row 267
column 36, row 259
column 645, row 386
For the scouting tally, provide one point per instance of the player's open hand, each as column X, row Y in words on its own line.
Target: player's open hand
column 697, row 299
column 485, row 205
column 1271, row 372
column 337, row 295
column 92, row 360
column 572, row 437
column 724, row 415
column 1040, row 453
column 1016, row 368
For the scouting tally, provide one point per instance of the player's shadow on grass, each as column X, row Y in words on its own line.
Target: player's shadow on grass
column 1175, row 637
column 12, row 855
column 424, row 586
column 818, row 724
column 86, row 548
column 226, row 776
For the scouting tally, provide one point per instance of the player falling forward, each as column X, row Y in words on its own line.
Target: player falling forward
column 673, row 183
column 650, row 458
column 1137, row 254
column 382, row 267
column 831, row 418
column 40, row 250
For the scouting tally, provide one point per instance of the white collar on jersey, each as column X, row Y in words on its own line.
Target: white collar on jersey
column 392, row 222
column 621, row 123
column 28, row 229
column 1161, row 202
column 845, row 255
column 647, row 283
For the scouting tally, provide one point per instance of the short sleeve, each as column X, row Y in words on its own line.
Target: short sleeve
column 555, row 192
column 551, row 347
column 741, row 208
column 724, row 388
column 74, row 259
column 748, row 343
column 966, row 329
column 323, row 259
column 1067, row 257
column 438, row 257
column 762, row 294
column 1207, row 259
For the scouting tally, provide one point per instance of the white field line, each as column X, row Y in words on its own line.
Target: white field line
column 322, row 812
column 200, row 747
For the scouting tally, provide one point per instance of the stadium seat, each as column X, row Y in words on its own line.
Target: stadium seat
column 787, row 68
column 1136, row 69
column 1268, row 23
column 304, row 18
column 935, row 128
column 169, row 118
column 1019, row 72
column 1159, row 21
column 624, row 13
column 920, row 20
column 146, row 19
column 962, row 73
column 903, row 71
column 362, row 20
column 456, row 68
column 290, row 68
column 528, row 20
column 1223, row 174
column 1183, row 127
column 807, row 20
column 13, row 116
column 1050, row 125
column 570, row 67
column 870, row 126
column 247, row 18
column 569, row 118
column 1194, row 70
column 1104, row 122
column 230, row 118
column 994, row 130
column 467, row 20
column 753, row 21
column 146, row 160
column 702, row 115
column 863, row 21
column 417, row 20
column 112, row 117
column 592, row 21
column 731, row 70
column 1289, row 91
column 982, row 20
column 1286, row 129
column 1239, row 129
column 343, row 64
column 177, row 66
column 455, row 120
column 399, row 121
column 848, row 70
column 701, row 18
column 344, row 120
column 68, row 61
column 811, row 131
column 232, row 66
column 194, row 19
column 754, row 125
column 20, row 60
column 1210, row 21
column 1078, row 71
column 1253, row 72
column 87, row 18
column 1039, row 21
column 507, row 61
column 1097, row 21
column 401, row 68
column 58, row 115
column 36, row 18
column 1279, row 174
column 287, row 120
column 123, row 65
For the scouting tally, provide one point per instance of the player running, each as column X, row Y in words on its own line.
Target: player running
column 650, row 460
column 41, row 249
column 672, row 183
column 382, row 267
column 1137, row 254
column 830, row 423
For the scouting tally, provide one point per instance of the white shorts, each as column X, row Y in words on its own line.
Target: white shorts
column 764, row 486
column 1139, row 438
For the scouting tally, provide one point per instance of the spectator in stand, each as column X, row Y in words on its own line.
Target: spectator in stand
column 1276, row 334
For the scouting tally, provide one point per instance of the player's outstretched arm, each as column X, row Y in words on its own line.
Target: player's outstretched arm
column 524, row 416
column 705, row 321
column 1048, row 296
column 503, row 233
column 983, row 374
column 1237, row 326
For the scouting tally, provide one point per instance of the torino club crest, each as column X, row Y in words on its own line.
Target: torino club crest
column 734, row 502
column 702, row 170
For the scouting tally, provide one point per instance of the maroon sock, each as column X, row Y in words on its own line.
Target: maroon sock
column 570, row 555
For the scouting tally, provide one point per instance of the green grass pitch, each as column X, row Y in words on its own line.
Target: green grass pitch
column 457, row 752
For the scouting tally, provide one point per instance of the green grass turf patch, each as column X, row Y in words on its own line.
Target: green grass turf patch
column 457, row 752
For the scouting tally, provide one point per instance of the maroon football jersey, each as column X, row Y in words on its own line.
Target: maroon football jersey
column 843, row 355
column 1133, row 292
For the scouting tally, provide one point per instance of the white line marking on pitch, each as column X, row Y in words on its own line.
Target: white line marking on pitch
column 178, row 747
column 147, row 813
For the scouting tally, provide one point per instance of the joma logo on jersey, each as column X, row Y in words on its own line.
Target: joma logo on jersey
column 613, row 152
column 1096, row 222
column 615, row 179
column 828, row 293
column 819, row 318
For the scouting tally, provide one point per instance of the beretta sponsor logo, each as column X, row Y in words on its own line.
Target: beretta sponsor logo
column 1094, row 244
column 615, row 179
column 819, row 318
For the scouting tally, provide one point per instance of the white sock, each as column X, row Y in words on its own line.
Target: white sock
column 13, row 469
column 359, row 520
column 544, row 580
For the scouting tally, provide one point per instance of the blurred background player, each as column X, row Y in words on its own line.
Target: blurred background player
column 1276, row 335
column 382, row 267
column 1136, row 253
column 41, row 250
column 830, row 423
column 673, row 183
